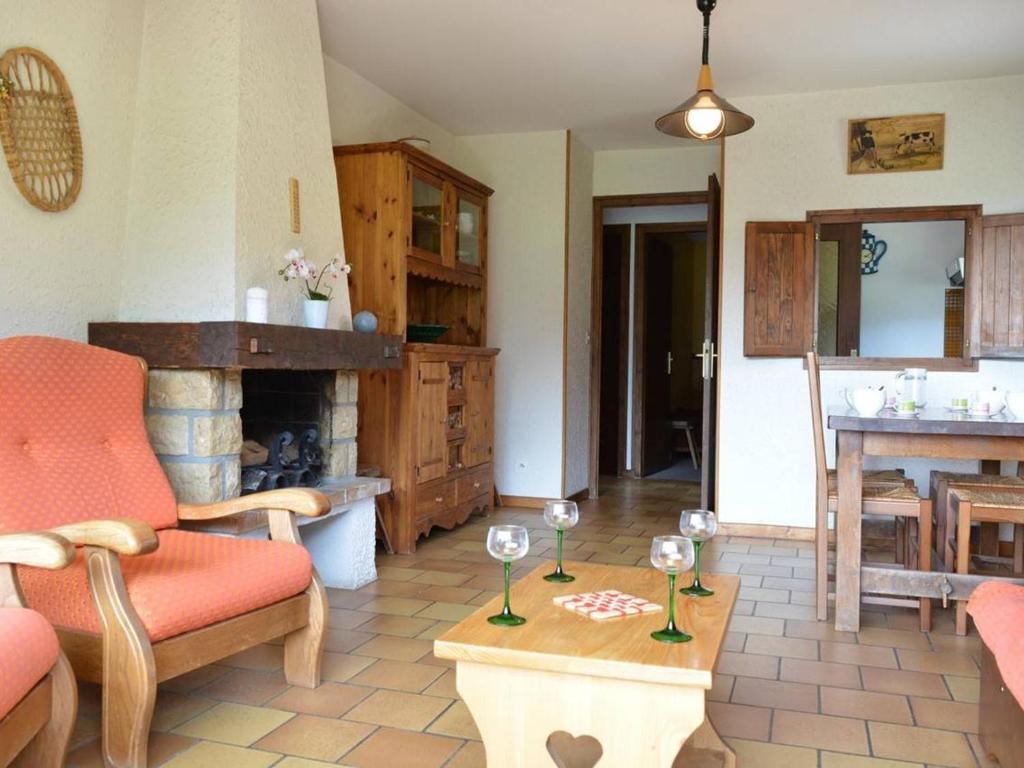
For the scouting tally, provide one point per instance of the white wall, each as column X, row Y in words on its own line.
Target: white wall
column 361, row 113
column 902, row 306
column 180, row 231
column 793, row 161
column 525, row 278
column 645, row 171
column 647, row 214
column 282, row 82
column 579, row 267
column 219, row 133
column 58, row 271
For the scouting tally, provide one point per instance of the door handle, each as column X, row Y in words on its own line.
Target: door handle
column 668, row 363
column 707, row 355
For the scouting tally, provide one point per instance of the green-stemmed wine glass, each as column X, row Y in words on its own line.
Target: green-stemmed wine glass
column 507, row 543
column 561, row 515
column 673, row 555
column 698, row 525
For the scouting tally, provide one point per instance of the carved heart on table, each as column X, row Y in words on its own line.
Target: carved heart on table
column 570, row 751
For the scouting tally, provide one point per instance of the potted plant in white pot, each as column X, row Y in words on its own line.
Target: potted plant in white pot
column 316, row 299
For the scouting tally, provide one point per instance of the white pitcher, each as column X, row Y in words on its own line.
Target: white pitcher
column 912, row 384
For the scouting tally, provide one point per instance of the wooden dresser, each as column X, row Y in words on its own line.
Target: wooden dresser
column 416, row 235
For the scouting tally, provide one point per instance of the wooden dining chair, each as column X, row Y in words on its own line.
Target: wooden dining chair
column 144, row 600
column 943, row 484
column 981, row 505
column 38, row 694
column 885, row 493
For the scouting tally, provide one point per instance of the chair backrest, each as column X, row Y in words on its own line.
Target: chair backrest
column 814, row 383
column 73, row 442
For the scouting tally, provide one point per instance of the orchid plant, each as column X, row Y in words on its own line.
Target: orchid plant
column 301, row 268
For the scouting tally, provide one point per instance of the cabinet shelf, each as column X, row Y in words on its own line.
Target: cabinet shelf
column 431, row 271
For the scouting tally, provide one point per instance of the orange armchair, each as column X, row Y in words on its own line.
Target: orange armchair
column 38, row 696
column 143, row 601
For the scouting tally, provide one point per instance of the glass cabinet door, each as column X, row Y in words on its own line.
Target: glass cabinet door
column 427, row 215
column 469, row 232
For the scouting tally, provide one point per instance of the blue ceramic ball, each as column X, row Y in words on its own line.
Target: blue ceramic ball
column 365, row 322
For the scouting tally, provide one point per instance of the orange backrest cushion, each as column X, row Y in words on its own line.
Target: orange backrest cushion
column 73, row 443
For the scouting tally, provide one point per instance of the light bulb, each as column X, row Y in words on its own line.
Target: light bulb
column 705, row 123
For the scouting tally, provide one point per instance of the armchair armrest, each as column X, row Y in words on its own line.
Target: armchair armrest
column 300, row 501
column 38, row 550
column 125, row 536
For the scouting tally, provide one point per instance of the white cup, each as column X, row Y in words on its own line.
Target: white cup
column 256, row 305
column 865, row 400
column 988, row 401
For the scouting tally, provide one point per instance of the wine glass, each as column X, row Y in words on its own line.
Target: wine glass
column 561, row 515
column 507, row 543
column 673, row 555
column 698, row 525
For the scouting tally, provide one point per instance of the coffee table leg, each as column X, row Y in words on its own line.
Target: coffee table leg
column 640, row 725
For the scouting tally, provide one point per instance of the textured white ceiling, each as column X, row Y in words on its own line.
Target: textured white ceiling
column 608, row 68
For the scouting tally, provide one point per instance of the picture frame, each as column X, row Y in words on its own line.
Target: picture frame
column 896, row 144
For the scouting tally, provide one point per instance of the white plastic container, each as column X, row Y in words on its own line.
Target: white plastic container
column 256, row 305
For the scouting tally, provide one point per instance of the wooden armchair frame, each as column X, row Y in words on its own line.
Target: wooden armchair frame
column 35, row 734
column 130, row 667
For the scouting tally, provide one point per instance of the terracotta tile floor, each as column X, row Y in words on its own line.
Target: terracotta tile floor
column 790, row 691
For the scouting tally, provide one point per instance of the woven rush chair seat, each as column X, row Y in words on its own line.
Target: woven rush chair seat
column 989, row 505
column 873, row 477
column 942, row 483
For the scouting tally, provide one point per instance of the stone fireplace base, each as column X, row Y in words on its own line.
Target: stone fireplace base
column 195, row 427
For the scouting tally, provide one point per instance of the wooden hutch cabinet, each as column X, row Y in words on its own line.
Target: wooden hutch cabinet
column 416, row 235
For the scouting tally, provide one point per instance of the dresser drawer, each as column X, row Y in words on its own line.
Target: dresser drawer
column 476, row 482
column 435, row 498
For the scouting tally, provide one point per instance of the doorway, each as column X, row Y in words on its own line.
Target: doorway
column 654, row 334
column 668, row 337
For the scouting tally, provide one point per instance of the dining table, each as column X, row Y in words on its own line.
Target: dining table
column 932, row 433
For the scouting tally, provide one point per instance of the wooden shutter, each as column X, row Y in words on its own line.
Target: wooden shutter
column 778, row 311
column 997, row 282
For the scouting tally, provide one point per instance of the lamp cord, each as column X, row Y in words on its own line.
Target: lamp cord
column 706, row 7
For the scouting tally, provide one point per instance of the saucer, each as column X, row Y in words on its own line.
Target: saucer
column 982, row 414
column 957, row 408
column 913, row 415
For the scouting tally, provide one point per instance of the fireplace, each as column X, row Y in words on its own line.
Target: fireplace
column 219, row 389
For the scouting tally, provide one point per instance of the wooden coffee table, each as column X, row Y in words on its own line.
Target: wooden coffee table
column 640, row 699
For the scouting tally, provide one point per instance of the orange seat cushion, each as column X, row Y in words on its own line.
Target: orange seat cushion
column 73, row 442
column 998, row 612
column 191, row 581
column 28, row 651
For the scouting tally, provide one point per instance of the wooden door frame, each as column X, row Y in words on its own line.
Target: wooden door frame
column 620, row 449
column 640, row 325
column 602, row 202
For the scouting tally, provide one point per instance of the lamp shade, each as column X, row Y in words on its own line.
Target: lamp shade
column 705, row 115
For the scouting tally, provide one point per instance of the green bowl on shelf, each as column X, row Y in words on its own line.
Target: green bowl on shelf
column 423, row 333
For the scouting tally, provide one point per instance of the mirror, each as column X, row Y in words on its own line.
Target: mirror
column 892, row 289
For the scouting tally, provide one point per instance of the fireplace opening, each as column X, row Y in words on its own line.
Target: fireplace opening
column 286, row 422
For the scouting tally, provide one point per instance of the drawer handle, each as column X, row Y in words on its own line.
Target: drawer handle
column 439, row 499
column 476, row 484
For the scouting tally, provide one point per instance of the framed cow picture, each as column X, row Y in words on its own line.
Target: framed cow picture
column 894, row 144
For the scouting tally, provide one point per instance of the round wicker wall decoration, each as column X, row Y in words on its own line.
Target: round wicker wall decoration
column 39, row 129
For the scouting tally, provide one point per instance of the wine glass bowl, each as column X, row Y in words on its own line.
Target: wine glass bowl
column 561, row 515
column 697, row 525
column 507, row 543
column 672, row 555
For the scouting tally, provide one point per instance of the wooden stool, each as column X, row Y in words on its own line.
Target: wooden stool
column 683, row 425
column 990, row 505
column 942, row 486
